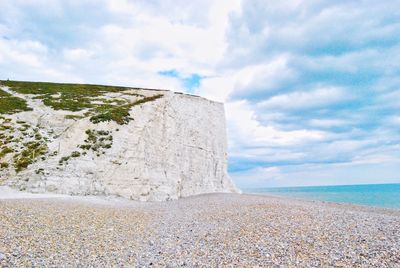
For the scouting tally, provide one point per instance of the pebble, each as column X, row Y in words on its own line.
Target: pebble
column 203, row 231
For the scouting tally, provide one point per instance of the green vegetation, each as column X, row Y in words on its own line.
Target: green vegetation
column 5, row 150
column 75, row 154
column 74, row 117
column 77, row 97
column 39, row 171
column 4, row 165
column 119, row 114
column 31, row 152
column 66, row 89
column 23, row 144
column 147, row 99
column 63, row 160
column 97, row 141
column 38, row 136
column 4, row 94
column 71, row 97
column 5, row 127
column 10, row 104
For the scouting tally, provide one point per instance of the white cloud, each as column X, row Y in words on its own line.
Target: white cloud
column 28, row 53
column 327, row 123
column 390, row 99
column 190, row 40
column 246, row 129
column 30, row 60
column 248, row 81
column 305, row 99
column 216, row 88
column 261, row 78
column 394, row 120
column 77, row 54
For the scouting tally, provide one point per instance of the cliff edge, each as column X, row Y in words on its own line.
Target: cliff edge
column 141, row 144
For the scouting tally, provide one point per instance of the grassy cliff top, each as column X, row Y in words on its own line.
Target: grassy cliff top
column 73, row 97
column 66, row 89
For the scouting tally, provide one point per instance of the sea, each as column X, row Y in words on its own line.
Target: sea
column 377, row 195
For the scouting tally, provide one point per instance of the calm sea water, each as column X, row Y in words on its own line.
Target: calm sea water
column 379, row 195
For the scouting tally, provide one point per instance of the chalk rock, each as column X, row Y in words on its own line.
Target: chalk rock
column 174, row 147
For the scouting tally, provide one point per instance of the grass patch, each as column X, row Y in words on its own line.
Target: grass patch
column 69, row 91
column 31, row 152
column 5, row 150
column 11, row 105
column 39, row 171
column 98, row 141
column 78, row 97
column 4, row 165
column 74, row 117
column 61, row 96
column 75, row 154
column 147, row 99
column 119, row 114
column 63, row 160
column 106, row 113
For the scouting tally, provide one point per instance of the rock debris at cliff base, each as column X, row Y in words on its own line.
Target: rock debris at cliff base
column 202, row 231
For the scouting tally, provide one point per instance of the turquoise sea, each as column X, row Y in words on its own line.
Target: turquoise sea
column 378, row 195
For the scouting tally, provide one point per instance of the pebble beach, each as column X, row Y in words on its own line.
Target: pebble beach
column 214, row 230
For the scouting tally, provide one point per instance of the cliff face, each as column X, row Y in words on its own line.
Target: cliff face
column 166, row 146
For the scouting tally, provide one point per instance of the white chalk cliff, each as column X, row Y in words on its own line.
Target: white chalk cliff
column 174, row 146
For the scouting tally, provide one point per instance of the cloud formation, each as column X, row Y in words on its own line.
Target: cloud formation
column 311, row 87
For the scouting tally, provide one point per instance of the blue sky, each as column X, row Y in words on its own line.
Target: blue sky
column 311, row 88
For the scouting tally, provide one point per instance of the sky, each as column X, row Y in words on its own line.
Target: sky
column 311, row 88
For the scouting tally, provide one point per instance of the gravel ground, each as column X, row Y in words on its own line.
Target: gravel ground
column 217, row 230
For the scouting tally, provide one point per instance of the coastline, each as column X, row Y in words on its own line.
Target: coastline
column 329, row 203
column 385, row 195
column 206, row 230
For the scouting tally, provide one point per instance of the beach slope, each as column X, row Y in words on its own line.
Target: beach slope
column 201, row 231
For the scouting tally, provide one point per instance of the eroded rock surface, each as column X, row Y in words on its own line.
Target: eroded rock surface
column 168, row 145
